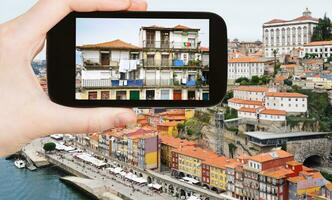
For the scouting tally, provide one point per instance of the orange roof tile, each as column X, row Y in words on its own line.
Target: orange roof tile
column 252, row 89
column 274, row 21
column 182, row 27
column 319, row 43
column 196, row 152
column 264, row 157
column 273, row 112
column 175, row 142
column 175, row 117
column 94, row 136
column 277, row 173
column 219, row 162
column 303, row 18
column 296, row 179
column 329, row 186
column 245, row 60
column 279, row 78
column 234, row 165
column 293, row 163
column 115, row 44
column 248, row 102
column 285, row 94
column 250, row 110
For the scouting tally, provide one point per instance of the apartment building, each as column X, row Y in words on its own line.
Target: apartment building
column 262, row 103
column 259, row 163
column 283, row 36
column 321, row 49
column 245, row 67
column 168, row 64
column 174, row 59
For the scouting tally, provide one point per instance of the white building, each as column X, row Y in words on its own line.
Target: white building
column 290, row 102
column 322, row 49
column 286, row 35
column 245, row 67
column 250, row 93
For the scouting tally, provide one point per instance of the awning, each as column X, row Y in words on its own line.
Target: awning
column 155, row 186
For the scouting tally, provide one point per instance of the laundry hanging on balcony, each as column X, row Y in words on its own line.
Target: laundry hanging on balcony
column 128, row 65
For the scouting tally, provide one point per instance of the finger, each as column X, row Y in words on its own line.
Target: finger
column 46, row 13
column 138, row 5
column 87, row 120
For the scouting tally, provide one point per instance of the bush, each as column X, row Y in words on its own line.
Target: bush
column 50, row 146
column 326, row 175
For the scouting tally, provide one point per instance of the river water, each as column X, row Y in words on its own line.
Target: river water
column 41, row 184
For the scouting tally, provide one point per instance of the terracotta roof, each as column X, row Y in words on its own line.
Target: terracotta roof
column 273, row 112
column 274, row 21
column 234, row 165
column 175, row 142
column 245, row 60
column 293, row 163
column 252, row 88
column 296, row 179
column 248, row 102
column 219, row 162
column 277, row 173
column 196, row 152
column 319, row 43
column 264, row 157
column 182, row 27
column 279, row 78
column 115, row 44
column 250, row 110
column 173, row 112
column 303, row 18
column 94, row 136
column 285, row 94
column 329, row 186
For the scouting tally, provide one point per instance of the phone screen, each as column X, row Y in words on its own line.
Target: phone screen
column 142, row 59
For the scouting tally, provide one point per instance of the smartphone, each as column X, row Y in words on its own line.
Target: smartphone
column 138, row 59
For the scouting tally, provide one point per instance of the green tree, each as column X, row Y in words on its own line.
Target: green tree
column 50, row 146
column 232, row 147
column 242, row 79
column 323, row 30
column 288, row 82
column 255, row 80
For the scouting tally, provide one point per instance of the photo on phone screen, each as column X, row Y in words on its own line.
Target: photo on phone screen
column 142, row 59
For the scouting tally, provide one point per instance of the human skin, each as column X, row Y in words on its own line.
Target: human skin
column 26, row 111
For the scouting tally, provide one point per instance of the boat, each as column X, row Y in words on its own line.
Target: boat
column 19, row 164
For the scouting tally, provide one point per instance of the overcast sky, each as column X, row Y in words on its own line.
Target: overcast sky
column 91, row 31
column 244, row 18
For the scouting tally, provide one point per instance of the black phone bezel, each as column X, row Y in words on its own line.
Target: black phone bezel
column 61, row 63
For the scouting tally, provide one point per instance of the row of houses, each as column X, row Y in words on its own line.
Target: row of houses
column 168, row 64
column 271, row 176
column 265, row 103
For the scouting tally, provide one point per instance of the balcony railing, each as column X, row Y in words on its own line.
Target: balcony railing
column 96, row 83
column 171, row 63
column 128, row 83
column 169, row 45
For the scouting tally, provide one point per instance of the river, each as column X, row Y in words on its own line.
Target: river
column 44, row 183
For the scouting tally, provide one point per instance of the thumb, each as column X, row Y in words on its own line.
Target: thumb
column 87, row 120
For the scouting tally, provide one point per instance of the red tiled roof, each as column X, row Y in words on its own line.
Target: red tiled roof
column 247, row 102
column 175, row 142
column 246, row 60
column 264, row 157
column 250, row 110
column 329, row 186
column 277, row 173
column 303, row 18
column 115, row 44
column 285, row 94
column 252, row 88
column 196, row 152
column 319, row 43
column 274, row 21
column 168, row 124
column 273, row 112
column 219, row 162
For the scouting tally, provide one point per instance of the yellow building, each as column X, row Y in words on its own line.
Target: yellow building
column 189, row 160
column 168, row 144
column 217, row 172
column 168, row 129
column 189, row 113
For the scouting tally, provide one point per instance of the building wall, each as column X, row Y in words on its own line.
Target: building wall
column 272, row 117
column 248, row 95
column 322, row 51
column 294, row 105
column 218, row 178
column 190, row 165
column 284, row 37
column 237, row 70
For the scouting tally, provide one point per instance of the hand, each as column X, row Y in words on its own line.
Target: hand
column 26, row 111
